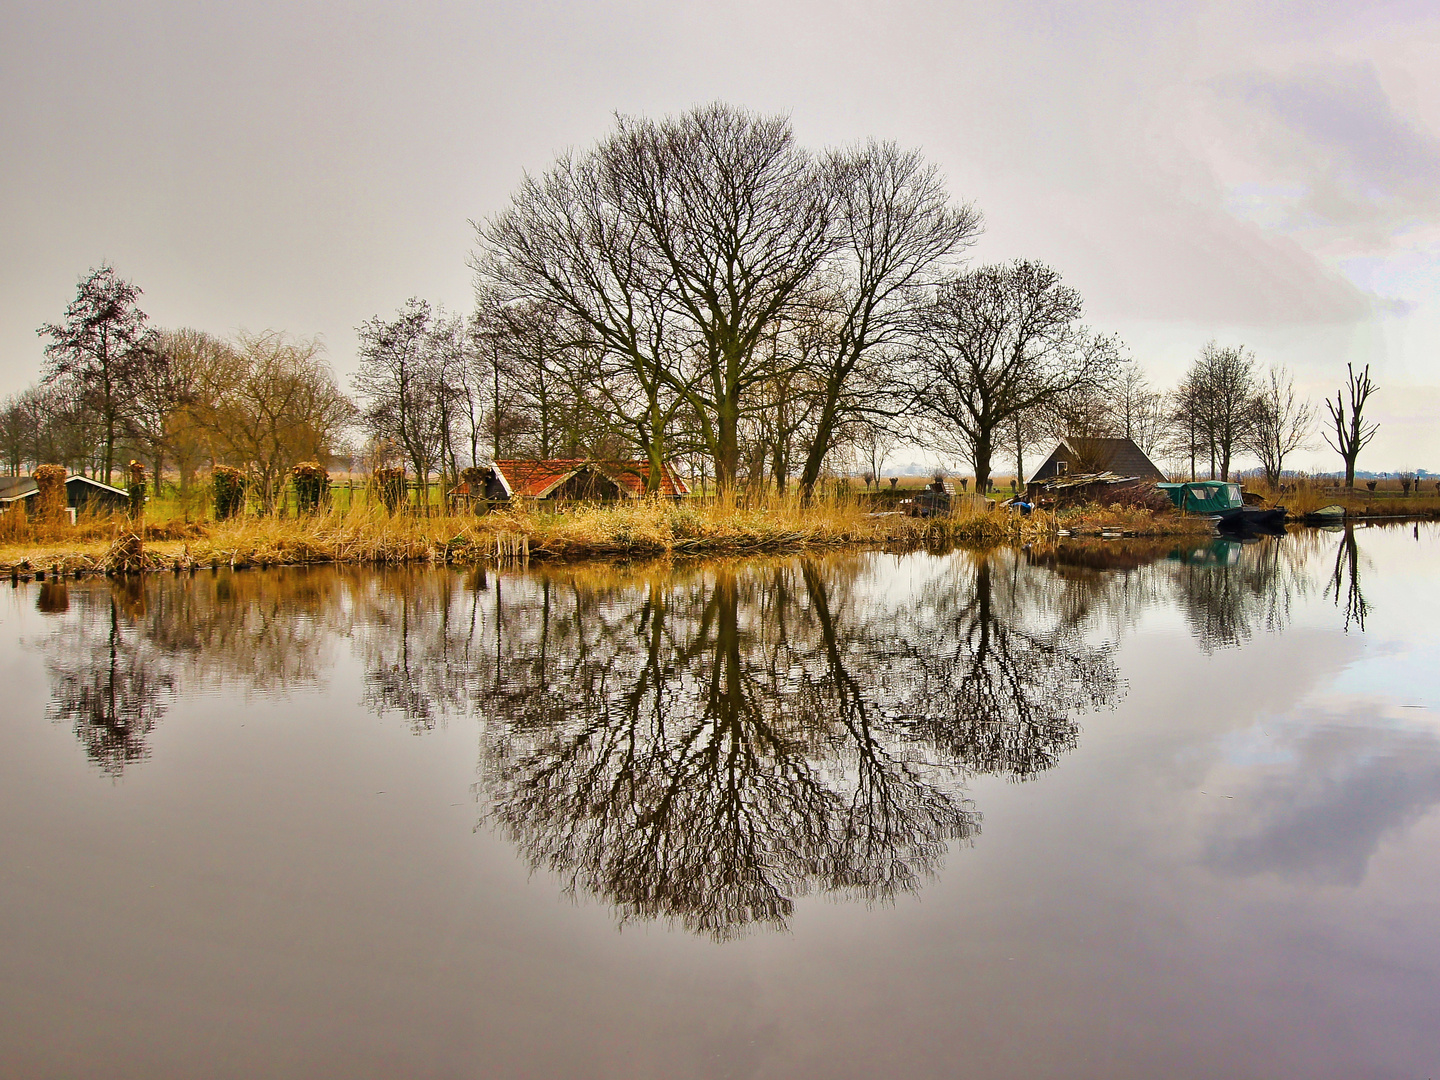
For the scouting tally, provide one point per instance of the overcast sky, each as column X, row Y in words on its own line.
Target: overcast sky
column 1262, row 174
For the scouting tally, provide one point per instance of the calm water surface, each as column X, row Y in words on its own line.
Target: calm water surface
column 1116, row 811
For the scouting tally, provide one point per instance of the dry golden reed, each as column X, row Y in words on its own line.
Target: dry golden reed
column 370, row 534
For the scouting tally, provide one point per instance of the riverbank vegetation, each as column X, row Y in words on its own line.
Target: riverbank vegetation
column 368, row 534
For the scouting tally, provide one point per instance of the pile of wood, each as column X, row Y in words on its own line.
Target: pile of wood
column 1078, row 488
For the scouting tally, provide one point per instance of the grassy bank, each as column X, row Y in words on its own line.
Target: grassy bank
column 1387, row 501
column 369, row 535
column 1129, row 521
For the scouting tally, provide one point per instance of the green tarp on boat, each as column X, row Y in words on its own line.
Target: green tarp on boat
column 1204, row 496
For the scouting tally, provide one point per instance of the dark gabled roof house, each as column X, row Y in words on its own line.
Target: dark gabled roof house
column 1075, row 454
column 15, row 488
column 81, row 492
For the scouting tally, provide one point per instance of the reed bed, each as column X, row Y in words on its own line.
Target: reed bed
column 368, row 534
column 1131, row 521
column 1388, row 501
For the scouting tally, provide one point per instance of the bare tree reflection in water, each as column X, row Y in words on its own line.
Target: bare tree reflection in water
column 1344, row 584
column 1247, row 587
column 700, row 745
column 107, row 685
column 418, row 637
column 709, row 747
column 122, row 651
column 702, row 750
column 999, row 678
column 1227, row 589
column 266, row 631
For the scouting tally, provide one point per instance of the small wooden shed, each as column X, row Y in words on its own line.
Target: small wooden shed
column 88, row 495
column 82, row 494
column 16, row 489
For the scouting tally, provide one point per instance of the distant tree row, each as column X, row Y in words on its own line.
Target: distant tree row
column 115, row 386
column 700, row 288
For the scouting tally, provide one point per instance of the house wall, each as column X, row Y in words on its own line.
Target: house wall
column 83, row 496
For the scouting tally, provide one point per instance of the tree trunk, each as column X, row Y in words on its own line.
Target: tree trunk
column 820, row 444
column 727, row 457
column 653, row 451
column 983, row 452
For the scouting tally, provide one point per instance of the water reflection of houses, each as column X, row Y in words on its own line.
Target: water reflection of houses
column 1227, row 589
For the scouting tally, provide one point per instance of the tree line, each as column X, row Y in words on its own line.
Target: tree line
column 698, row 289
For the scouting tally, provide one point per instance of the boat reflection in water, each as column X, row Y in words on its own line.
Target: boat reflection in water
column 699, row 744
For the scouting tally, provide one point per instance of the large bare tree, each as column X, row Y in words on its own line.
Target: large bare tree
column 181, row 416
column 998, row 342
column 1349, row 430
column 1136, row 409
column 1219, row 393
column 899, row 235
column 404, row 364
column 1280, row 423
column 676, row 245
column 572, row 239
column 280, row 406
column 737, row 218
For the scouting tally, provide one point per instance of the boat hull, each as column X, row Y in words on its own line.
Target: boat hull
column 1326, row 515
column 1253, row 518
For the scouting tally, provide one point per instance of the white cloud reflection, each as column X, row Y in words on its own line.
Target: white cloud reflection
column 1318, row 799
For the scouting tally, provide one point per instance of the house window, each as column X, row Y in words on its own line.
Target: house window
column 1061, row 468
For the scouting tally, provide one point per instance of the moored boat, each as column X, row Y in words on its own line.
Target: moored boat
column 1223, row 502
column 1334, row 514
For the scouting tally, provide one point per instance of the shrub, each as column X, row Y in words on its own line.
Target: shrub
column 230, row 487
column 390, row 484
column 312, row 486
column 136, row 488
column 50, row 502
column 684, row 523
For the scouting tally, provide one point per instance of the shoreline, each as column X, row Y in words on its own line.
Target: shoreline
column 583, row 533
column 48, row 561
